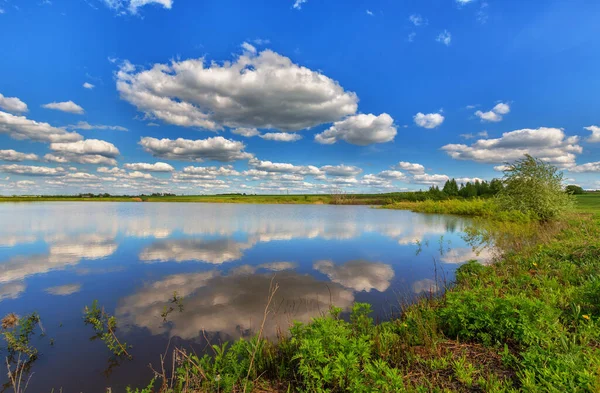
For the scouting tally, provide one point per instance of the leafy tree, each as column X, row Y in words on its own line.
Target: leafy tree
column 574, row 190
column 534, row 187
column 496, row 186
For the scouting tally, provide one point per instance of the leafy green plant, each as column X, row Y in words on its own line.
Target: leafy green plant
column 532, row 185
column 105, row 326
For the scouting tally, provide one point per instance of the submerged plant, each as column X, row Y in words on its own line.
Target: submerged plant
column 105, row 326
column 175, row 300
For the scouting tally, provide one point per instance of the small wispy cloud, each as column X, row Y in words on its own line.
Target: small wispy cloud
column 411, row 36
column 417, row 20
column 298, row 4
column 88, row 85
column 369, row 12
column 444, row 37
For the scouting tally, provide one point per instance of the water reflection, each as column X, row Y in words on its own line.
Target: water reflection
column 358, row 275
column 219, row 260
column 232, row 305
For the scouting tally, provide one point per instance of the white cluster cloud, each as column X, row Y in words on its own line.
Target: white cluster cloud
column 12, row 155
column 89, row 151
column 12, row 104
column 548, row 144
column 341, row 170
column 210, row 149
column 429, row 121
column 494, row 115
column 298, row 4
column 247, row 132
column 268, row 166
column 19, row 127
column 417, row 19
column 84, row 125
column 430, row 180
column 281, row 136
column 88, row 86
column 413, row 168
column 124, row 6
column 444, row 37
column 257, row 90
column 30, row 170
column 64, row 290
column 67, row 106
column 595, row 137
column 360, row 130
column 589, row 167
column 145, row 167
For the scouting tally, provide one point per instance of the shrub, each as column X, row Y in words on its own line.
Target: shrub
column 533, row 186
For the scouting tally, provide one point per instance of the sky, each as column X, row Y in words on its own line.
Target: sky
column 293, row 96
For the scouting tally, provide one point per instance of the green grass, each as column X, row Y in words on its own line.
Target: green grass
column 589, row 202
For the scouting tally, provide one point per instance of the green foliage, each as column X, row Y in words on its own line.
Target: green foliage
column 533, row 186
column 17, row 333
column 105, row 326
column 574, row 190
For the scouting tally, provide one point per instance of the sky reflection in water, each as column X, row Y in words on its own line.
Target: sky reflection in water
column 57, row 257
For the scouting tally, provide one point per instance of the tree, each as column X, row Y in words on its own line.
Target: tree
column 535, row 187
column 450, row 188
column 574, row 190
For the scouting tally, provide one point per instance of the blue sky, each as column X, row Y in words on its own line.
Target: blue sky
column 199, row 97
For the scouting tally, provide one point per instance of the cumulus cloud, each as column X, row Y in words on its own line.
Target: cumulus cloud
column 359, row 275
column 465, row 254
column 209, row 172
column 30, row 170
column 89, row 151
column 281, row 137
column 595, row 137
column 67, row 106
column 444, row 37
column 494, row 115
column 88, row 85
column 393, row 175
column 256, row 90
column 12, row 155
column 501, row 168
column 589, row 167
column 84, row 125
column 145, row 167
column 360, row 130
column 279, row 167
column 132, row 6
column 411, row 167
column 210, row 149
column 341, row 170
column 548, row 144
column 430, row 180
column 19, row 127
column 429, row 121
column 12, row 104
column 247, row 132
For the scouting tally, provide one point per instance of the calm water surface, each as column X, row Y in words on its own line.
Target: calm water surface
column 55, row 258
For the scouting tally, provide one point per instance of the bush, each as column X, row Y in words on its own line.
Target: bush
column 574, row 190
column 533, row 186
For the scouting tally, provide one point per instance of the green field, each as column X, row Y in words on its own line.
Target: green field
column 589, row 202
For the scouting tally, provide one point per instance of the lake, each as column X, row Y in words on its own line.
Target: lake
column 220, row 259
